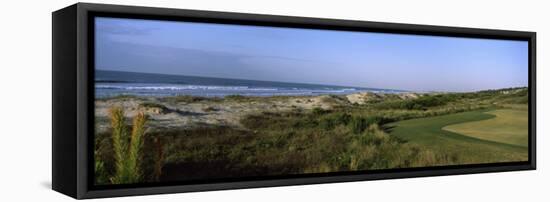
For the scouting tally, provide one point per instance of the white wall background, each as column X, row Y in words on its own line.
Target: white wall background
column 25, row 102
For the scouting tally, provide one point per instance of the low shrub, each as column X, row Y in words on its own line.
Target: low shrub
column 358, row 124
column 237, row 98
column 186, row 99
column 317, row 111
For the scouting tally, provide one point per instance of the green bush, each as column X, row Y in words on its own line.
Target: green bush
column 342, row 118
column 358, row 124
column 185, row 99
column 421, row 103
column 318, row 111
column 327, row 123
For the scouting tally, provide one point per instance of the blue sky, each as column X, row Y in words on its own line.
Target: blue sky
column 376, row 60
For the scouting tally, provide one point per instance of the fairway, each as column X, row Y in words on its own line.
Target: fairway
column 463, row 149
column 509, row 126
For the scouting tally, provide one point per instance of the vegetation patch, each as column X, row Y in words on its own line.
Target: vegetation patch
column 187, row 99
column 390, row 132
column 237, row 98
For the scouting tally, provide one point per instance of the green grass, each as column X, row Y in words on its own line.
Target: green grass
column 463, row 149
column 509, row 126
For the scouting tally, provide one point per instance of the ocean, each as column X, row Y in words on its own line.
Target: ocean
column 115, row 83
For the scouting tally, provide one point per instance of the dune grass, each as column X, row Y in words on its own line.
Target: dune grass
column 292, row 142
column 127, row 147
column 508, row 126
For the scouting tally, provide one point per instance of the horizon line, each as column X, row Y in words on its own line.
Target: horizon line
column 370, row 88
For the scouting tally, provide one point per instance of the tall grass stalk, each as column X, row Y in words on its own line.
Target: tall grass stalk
column 127, row 147
column 159, row 160
column 136, row 145
column 99, row 171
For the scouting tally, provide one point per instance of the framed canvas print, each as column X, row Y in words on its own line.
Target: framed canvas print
column 154, row 100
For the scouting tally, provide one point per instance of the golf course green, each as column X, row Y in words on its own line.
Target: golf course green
column 470, row 146
column 508, row 126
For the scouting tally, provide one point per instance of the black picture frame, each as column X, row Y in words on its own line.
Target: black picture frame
column 73, row 98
